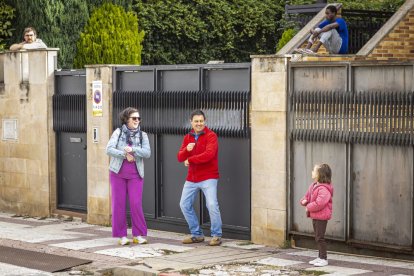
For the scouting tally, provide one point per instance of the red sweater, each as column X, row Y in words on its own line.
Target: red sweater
column 203, row 159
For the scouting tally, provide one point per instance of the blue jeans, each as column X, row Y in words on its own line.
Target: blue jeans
column 190, row 191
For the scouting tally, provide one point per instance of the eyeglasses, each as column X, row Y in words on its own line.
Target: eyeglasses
column 136, row 118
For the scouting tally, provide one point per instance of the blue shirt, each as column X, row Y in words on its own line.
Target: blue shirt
column 342, row 30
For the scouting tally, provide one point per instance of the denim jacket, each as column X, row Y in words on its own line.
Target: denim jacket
column 117, row 154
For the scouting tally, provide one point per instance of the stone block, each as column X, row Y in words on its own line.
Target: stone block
column 37, row 66
column 12, row 194
column 99, row 205
column 15, row 165
column 272, row 198
column 269, row 91
column 259, row 217
column 276, row 219
column 17, row 180
column 258, row 234
column 37, row 182
column 4, row 149
column 12, row 61
column 37, row 167
column 269, row 64
column 268, row 121
column 4, row 179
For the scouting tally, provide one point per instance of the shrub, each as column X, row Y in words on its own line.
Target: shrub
column 286, row 37
column 6, row 16
column 111, row 36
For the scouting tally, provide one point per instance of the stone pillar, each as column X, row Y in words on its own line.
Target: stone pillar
column 99, row 197
column 27, row 159
column 269, row 149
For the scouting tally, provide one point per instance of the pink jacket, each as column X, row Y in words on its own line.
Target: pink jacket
column 319, row 197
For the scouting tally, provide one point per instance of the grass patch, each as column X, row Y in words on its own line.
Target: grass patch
column 244, row 243
column 286, row 244
column 312, row 272
column 190, row 271
column 169, row 252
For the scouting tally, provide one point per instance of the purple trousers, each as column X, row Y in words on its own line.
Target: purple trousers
column 127, row 182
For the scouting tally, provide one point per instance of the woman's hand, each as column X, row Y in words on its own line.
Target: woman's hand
column 304, row 202
column 127, row 149
column 130, row 157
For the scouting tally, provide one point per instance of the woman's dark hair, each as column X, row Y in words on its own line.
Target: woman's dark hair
column 197, row 113
column 126, row 113
column 332, row 9
column 323, row 173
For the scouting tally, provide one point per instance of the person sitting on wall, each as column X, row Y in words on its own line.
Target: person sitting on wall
column 30, row 41
column 332, row 33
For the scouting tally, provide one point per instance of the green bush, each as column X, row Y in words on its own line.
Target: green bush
column 6, row 16
column 111, row 36
column 286, row 37
column 182, row 31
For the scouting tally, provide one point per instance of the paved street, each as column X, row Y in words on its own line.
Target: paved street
column 166, row 255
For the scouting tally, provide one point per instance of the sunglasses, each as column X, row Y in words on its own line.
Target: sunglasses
column 136, row 118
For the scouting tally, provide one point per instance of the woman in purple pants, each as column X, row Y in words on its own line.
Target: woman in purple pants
column 127, row 148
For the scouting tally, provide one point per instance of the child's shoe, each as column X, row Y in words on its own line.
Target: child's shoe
column 315, row 261
column 321, row 262
column 139, row 240
column 123, row 241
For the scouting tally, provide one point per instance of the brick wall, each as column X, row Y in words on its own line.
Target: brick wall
column 398, row 44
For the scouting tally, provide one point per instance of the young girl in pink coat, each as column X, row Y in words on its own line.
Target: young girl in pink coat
column 318, row 204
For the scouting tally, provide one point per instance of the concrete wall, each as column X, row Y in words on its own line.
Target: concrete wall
column 27, row 164
column 99, row 197
column 269, row 147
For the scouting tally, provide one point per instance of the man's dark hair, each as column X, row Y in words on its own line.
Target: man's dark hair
column 126, row 113
column 196, row 113
column 332, row 8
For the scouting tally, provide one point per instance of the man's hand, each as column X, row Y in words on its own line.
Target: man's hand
column 186, row 163
column 315, row 32
column 16, row 47
column 190, row 146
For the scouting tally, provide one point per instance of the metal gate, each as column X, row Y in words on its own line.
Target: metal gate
column 365, row 132
column 165, row 96
column 69, row 124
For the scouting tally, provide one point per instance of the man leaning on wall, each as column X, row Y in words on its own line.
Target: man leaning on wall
column 30, row 41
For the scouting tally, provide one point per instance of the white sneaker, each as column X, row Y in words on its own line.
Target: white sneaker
column 123, row 241
column 322, row 262
column 315, row 261
column 139, row 240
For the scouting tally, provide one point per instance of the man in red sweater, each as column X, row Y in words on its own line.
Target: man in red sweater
column 199, row 152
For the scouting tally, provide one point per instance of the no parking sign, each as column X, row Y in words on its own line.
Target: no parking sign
column 97, row 98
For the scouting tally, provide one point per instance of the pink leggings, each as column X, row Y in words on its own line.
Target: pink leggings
column 120, row 187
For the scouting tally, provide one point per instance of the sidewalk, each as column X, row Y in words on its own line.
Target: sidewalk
column 166, row 255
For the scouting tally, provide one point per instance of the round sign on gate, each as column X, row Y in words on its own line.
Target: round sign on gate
column 97, row 96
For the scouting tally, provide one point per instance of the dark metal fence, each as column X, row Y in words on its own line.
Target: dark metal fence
column 69, row 112
column 167, row 112
column 371, row 117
